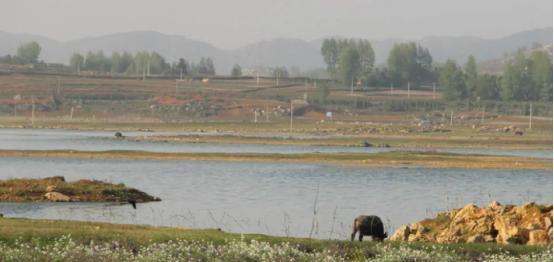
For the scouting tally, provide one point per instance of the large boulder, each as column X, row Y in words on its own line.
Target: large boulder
column 527, row 224
column 57, row 197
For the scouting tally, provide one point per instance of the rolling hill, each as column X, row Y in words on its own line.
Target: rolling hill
column 302, row 54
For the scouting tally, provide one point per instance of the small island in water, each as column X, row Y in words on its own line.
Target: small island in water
column 56, row 189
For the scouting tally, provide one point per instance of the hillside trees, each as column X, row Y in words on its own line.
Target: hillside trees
column 349, row 67
column 28, row 53
column 452, row 81
column 77, row 61
column 541, row 74
column 236, row 71
column 97, row 61
column 526, row 78
column 182, row 67
column 408, row 62
column 140, row 63
column 348, row 59
column 204, row 67
column 470, row 73
column 280, row 72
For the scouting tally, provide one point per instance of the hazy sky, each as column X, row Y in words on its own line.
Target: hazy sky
column 232, row 23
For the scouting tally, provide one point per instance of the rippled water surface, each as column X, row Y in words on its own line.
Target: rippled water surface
column 274, row 198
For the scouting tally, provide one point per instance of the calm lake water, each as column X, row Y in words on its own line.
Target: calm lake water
column 274, row 198
column 52, row 139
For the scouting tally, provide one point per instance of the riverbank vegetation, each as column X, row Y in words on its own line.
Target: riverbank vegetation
column 27, row 239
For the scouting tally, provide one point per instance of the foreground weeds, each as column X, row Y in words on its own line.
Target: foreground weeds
column 66, row 249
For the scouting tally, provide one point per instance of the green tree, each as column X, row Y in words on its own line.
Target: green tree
column 330, row 52
column 28, row 53
column 116, row 63
column 182, row 66
column 470, row 72
column 77, row 61
column 517, row 83
column 237, row 71
column 323, row 93
column 156, row 63
column 97, row 61
column 280, row 72
column 367, row 58
column 140, row 63
column 349, row 66
column 379, row 77
column 452, row 82
column 205, row 66
column 487, row 87
column 408, row 62
column 541, row 74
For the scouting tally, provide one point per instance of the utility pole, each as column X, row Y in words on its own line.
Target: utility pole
column 255, row 115
column 434, row 91
column 451, row 118
column 291, row 113
column 257, row 79
column 305, row 91
column 59, row 86
column 176, row 87
column 352, row 86
column 390, row 89
column 530, row 115
column 33, row 112
column 483, row 115
column 277, row 78
column 408, row 90
column 266, row 113
column 71, row 113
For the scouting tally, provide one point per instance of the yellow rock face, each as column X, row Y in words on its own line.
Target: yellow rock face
column 529, row 224
column 57, row 197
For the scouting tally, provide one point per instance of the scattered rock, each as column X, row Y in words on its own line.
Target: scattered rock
column 51, row 188
column 367, row 144
column 529, row 224
column 57, row 197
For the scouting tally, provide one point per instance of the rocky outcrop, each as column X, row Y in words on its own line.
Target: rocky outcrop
column 529, row 224
column 56, row 189
column 57, row 197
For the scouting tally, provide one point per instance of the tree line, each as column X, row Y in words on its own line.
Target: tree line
column 524, row 78
column 27, row 53
column 140, row 63
column 122, row 63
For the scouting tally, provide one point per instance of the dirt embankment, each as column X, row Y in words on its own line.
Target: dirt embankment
column 56, row 189
column 529, row 224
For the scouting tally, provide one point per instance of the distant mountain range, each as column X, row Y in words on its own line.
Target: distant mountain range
column 302, row 54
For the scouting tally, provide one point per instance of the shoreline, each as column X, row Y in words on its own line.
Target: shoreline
column 459, row 139
column 386, row 159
